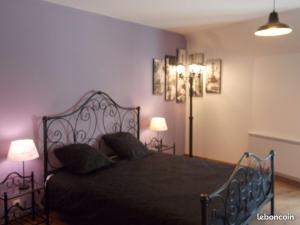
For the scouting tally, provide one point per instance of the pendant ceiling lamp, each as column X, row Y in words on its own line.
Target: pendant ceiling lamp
column 274, row 27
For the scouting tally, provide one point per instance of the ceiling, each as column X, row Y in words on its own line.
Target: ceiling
column 181, row 16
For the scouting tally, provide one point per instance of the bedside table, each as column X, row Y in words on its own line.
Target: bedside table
column 157, row 145
column 14, row 201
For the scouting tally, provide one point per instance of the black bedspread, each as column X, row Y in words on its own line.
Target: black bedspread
column 159, row 189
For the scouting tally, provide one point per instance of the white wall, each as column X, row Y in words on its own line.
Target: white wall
column 276, row 110
column 221, row 122
column 276, row 95
column 259, row 93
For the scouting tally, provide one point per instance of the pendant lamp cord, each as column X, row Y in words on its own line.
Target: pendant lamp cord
column 273, row 5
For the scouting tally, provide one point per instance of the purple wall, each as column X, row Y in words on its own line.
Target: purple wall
column 51, row 55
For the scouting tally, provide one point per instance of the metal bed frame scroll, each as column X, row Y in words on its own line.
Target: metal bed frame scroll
column 249, row 188
column 93, row 116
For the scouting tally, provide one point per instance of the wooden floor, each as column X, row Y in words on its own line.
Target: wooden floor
column 287, row 201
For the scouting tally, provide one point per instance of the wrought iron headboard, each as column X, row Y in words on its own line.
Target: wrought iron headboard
column 91, row 117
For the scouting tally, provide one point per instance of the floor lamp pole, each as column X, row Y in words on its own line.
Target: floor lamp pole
column 191, row 78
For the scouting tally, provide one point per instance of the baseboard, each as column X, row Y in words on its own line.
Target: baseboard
column 287, row 179
column 278, row 176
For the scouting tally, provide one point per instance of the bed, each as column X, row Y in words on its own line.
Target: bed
column 157, row 189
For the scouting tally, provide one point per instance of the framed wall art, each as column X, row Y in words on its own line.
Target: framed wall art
column 158, row 76
column 198, row 85
column 214, row 76
column 180, row 88
column 170, row 78
column 196, row 58
column 181, row 56
column 180, row 78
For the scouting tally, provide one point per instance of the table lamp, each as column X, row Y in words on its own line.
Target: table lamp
column 22, row 150
column 158, row 124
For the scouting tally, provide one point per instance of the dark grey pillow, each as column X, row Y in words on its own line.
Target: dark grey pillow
column 81, row 158
column 106, row 149
column 126, row 145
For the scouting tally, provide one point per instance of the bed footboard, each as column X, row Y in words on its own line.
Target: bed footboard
column 248, row 189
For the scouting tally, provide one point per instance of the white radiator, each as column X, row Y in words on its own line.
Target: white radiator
column 287, row 158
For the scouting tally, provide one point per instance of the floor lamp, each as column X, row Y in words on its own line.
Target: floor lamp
column 195, row 68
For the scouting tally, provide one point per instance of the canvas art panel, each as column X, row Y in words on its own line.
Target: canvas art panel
column 214, row 76
column 180, row 79
column 181, row 56
column 198, row 86
column 180, row 88
column 170, row 78
column 196, row 58
column 158, row 76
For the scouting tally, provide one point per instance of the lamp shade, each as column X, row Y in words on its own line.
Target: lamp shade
column 22, row 150
column 158, row 124
column 180, row 69
column 274, row 27
column 195, row 68
column 196, row 63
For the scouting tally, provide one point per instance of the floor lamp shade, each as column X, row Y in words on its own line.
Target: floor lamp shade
column 22, row 150
column 158, row 124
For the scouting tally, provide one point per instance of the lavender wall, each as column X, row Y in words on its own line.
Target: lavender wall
column 51, row 55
